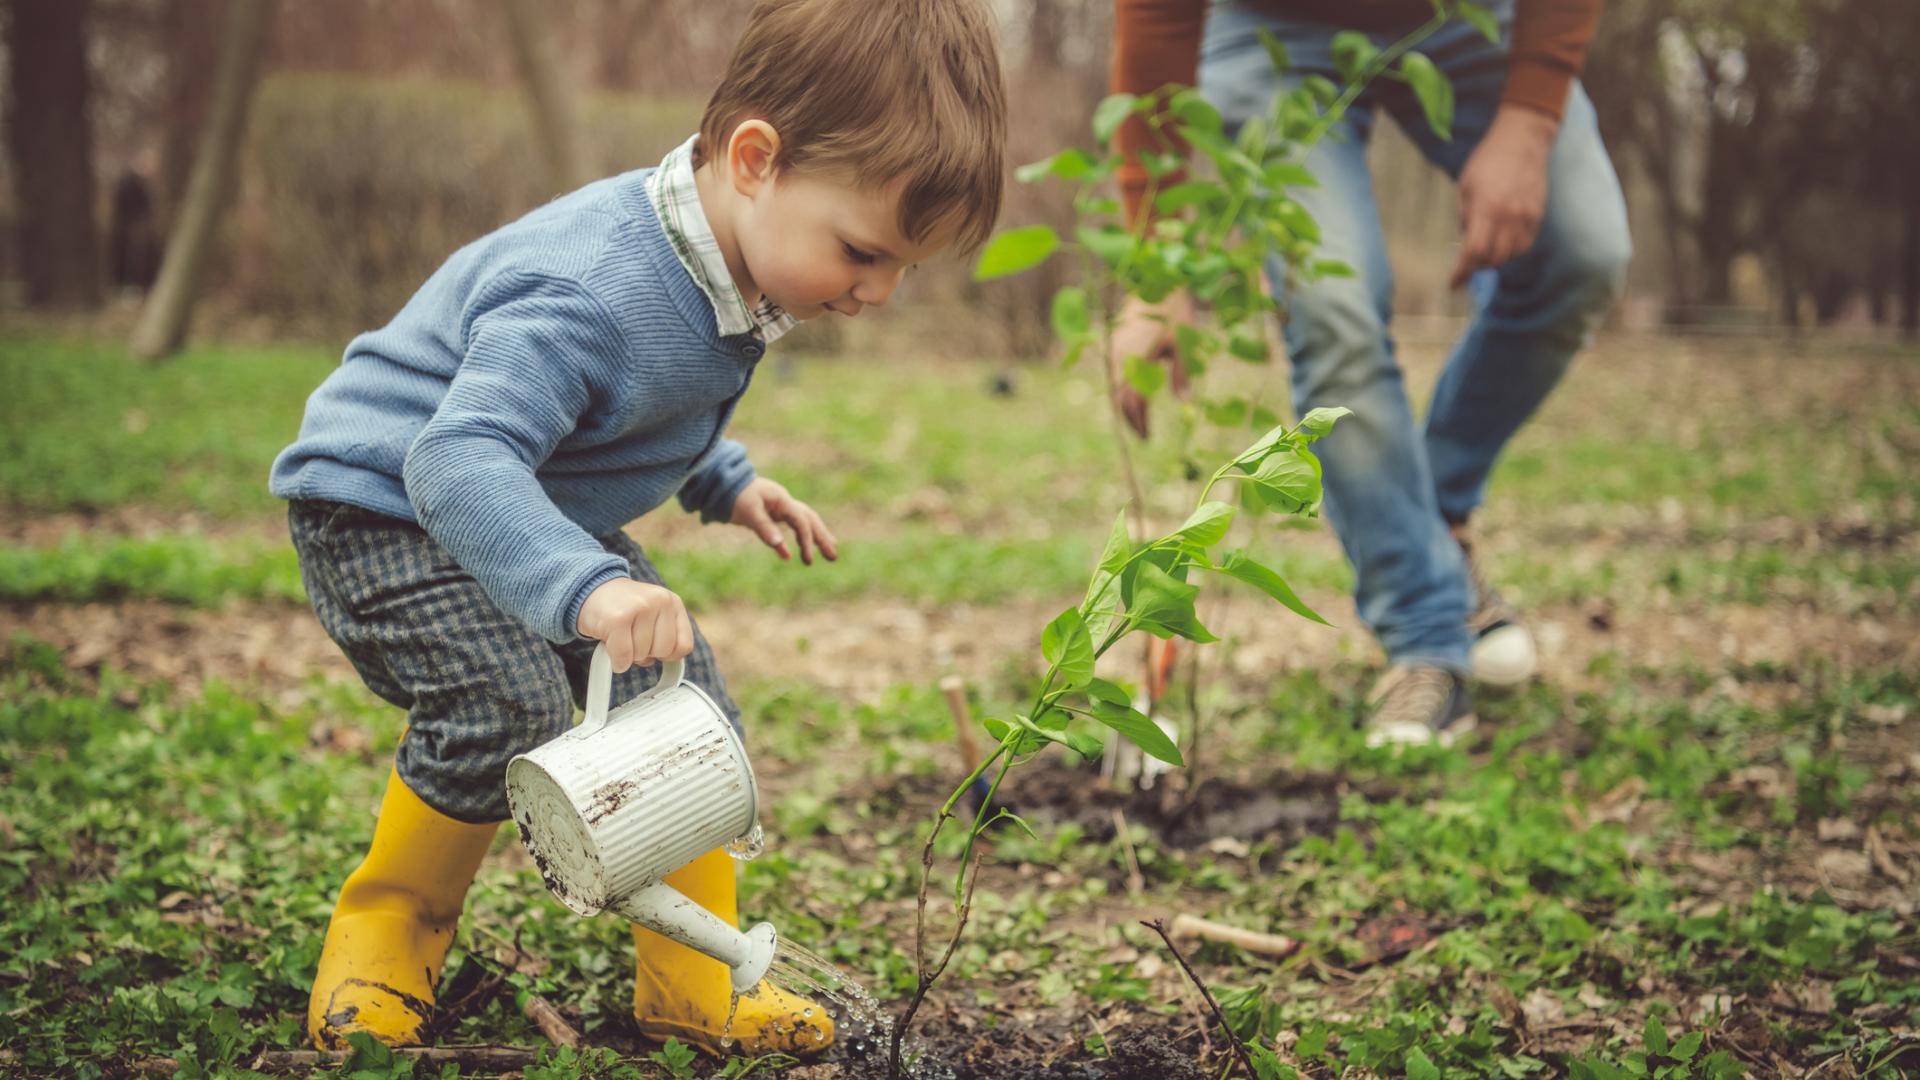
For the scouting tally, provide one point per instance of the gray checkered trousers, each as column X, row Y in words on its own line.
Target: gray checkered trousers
column 478, row 685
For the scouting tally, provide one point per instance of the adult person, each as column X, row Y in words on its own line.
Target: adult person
column 1543, row 251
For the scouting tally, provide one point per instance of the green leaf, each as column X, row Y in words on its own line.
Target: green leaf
column 1296, row 220
column 1207, row 525
column 1066, row 644
column 1656, row 1036
column 1119, row 545
column 1110, row 114
column 677, row 1057
column 1229, row 413
column 1159, row 165
column 1264, row 445
column 1248, row 343
column 1112, row 693
column 1068, row 164
column 1688, row 1046
column 1193, row 110
column 1163, row 606
column 1072, row 354
column 1433, row 90
column 1420, row 1066
column 1111, row 244
column 1008, row 815
column 1030, row 739
column 1331, row 268
column 1194, row 344
column 1102, row 600
column 1287, row 482
column 1185, row 194
column 1015, row 250
column 1267, row 580
column 1318, row 422
column 1352, row 52
column 1267, row 1065
column 1321, row 89
column 1482, row 20
column 1086, row 744
column 1290, row 174
column 1276, row 51
column 1146, row 376
column 1053, row 719
column 1139, row 730
column 1070, row 318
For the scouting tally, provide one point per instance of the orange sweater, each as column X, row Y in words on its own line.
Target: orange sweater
column 1156, row 42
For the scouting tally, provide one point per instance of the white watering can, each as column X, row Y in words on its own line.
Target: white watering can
column 617, row 803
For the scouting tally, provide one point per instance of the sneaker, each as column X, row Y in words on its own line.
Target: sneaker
column 1418, row 704
column 1502, row 653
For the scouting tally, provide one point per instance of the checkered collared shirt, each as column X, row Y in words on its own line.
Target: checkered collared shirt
column 677, row 200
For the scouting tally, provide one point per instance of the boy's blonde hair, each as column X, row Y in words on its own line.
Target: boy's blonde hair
column 885, row 90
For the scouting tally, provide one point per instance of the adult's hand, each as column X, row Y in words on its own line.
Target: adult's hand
column 1147, row 330
column 1503, row 190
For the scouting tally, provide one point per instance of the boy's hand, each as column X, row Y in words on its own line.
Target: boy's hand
column 764, row 504
column 640, row 623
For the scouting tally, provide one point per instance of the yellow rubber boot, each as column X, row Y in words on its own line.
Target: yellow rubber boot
column 393, row 924
column 684, row 994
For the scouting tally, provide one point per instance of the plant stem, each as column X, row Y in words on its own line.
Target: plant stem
column 1158, row 926
column 1380, row 63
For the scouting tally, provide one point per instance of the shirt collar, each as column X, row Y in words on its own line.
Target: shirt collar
column 676, row 199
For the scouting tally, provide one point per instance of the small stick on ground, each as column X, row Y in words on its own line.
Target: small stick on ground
column 1136, row 882
column 954, row 688
column 1192, row 926
column 1159, row 926
column 549, row 1021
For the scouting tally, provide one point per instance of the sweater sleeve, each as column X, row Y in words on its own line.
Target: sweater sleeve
column 1155, row 42
column 1550, row 40
column 529, row 374
column 717, row 480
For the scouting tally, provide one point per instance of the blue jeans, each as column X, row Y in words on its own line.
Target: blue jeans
column 1392, row 488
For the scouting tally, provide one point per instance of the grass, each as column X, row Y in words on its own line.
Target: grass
column 1656, row 863
column 172, row 862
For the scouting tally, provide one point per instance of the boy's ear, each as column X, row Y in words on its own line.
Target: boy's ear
column 751, row 152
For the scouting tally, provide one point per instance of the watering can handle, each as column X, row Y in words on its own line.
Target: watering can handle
column 600, row 687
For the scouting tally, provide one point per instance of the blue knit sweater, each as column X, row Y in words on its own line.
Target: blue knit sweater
column 551, row 382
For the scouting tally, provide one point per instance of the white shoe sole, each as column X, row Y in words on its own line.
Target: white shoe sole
column 1421, row 734
column 1504, row 657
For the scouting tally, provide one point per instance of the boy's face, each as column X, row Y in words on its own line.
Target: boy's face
column 815, row 242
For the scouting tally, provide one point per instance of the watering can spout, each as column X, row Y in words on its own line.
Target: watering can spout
column 664, row 910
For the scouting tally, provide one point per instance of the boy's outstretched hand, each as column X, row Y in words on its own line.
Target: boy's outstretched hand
column 640, row 623
column 764, row 504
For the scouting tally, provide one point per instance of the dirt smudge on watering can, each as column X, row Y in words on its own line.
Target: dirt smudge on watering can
column 609, row 798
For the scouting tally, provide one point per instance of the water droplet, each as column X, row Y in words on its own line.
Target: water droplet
column 726, row 1030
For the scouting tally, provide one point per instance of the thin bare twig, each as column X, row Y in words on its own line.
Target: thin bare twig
column 1159, row 926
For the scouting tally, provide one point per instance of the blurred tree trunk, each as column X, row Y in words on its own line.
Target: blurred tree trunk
column 553, row 108
column 1046, row 28
column 626, row 28
column 52, row 145
column 1910, row 278
column 191, row 32
column 163, row 322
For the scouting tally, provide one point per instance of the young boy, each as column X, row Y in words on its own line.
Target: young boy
column 459, row 485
